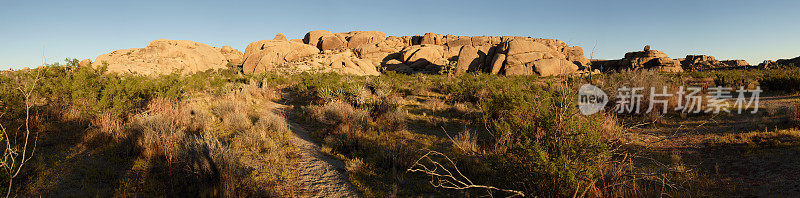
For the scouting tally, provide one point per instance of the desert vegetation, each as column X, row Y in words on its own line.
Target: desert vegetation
column 224, row 133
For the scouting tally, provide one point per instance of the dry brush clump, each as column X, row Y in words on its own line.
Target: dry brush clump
column 232, row 143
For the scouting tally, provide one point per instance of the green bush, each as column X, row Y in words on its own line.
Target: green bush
column 551, row 147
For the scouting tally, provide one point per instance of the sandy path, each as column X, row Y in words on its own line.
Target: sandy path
column 319, row 176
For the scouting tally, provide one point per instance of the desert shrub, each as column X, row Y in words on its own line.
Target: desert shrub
column 221, row 156
column 551, row 149
column 787, row 81
column 320, row 88
column 392, row 120
column 340, row 114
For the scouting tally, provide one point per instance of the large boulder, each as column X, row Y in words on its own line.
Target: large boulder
column 263, row 55
column 497, row 63
column 163, row 57
column 551, row 67
column 467, row 58
column 360, row 38
column 234, row 56
column 575, row 54
column 424, row 56
column 330, row 42
column 313, row 37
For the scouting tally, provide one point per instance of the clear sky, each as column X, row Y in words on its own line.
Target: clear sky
column 753, row 30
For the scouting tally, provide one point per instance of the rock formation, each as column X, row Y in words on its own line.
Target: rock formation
column 767, row 64
column 261, row 56
column 646, row 59
column 233, row 56
column 735, row 63
column 361, row 53
column 164, row 57
column 432, row 53
column 700, row 62
column 85, row 63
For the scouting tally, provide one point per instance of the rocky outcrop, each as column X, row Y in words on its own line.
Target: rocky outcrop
column 646, row 59
column 367, row 52
column 233, row 56
column 325, row 40
column 768, row 64
column 85, row 63
column 264, row 55
column 436, row 53
column 735, row 63
column 164, row 57
column 700, row 62
column 527, row 56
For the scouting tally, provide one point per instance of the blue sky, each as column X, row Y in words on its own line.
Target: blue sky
column 726, row 29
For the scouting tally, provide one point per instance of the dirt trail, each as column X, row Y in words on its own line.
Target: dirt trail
column 320, row 176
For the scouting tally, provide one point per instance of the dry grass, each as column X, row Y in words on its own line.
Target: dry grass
column 466, row 142
column 108, row 124
column 233, row 142
column 340, row 114
column 354, row 165
column 789, row 137
column 394, row 120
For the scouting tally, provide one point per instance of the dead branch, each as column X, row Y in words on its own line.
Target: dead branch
column 14, row 157
column 442, row 177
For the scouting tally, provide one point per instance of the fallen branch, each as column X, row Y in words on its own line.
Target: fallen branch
column 442, row 177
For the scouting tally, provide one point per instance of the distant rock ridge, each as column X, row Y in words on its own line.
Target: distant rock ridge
column 657, row 60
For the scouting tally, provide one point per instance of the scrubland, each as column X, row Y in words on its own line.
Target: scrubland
column 221, row 133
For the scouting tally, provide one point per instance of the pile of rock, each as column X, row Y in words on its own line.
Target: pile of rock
column 645, row 59
column 168, row 56
column 700, row 62
column 705, row 62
